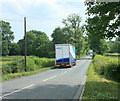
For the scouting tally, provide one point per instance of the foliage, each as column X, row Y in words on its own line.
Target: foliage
column 44, row 62
column 105, row 19
column 98, row 88
column 7, row 37
column 30, row 37
column 21, row 44
column 99, row 46
column 102, row 22
column 59, row 36
column 5, row 50
column 16, row 75
column 15, row 64
column 72, row 33
column 107, row 66
column 38, row 44
column 14, row 49
column 114, row 46
column 30, row 40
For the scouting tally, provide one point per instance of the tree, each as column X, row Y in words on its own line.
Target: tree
column 14, row 49
column 7, row 37
column 40, row 46
column 114, row 46
column 103, row 22
column 75, row 33
column 30, row 40
column 21, row 44
column 105, row 18
column 72, row 26
column 58, row 35
column 5, row 50
column 99, row 46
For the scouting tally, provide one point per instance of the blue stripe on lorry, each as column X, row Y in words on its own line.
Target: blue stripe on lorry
column 63, row 60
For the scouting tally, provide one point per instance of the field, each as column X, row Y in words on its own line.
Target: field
column 14, row 66
column 101, row 83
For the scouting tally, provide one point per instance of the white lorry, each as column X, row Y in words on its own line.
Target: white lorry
column 65, row 55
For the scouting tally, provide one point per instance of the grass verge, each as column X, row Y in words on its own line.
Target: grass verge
column 99, row 88
column 18, row 75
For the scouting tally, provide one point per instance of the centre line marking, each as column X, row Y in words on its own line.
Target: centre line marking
column 49, row 78
column 17, row 90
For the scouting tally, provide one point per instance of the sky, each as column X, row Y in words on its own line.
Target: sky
column 41, row 15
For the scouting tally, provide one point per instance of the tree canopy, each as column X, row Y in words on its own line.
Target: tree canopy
column 104, row 19
column 7, row 37
column 102, row 23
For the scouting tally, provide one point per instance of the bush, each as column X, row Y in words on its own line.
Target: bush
column 44, row 62
column 30, row 64
column 13, row 67
column 107, row 66
column 16, row 64
column 6, row 69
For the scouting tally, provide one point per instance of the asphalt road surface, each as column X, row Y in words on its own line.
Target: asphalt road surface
column 58, row 83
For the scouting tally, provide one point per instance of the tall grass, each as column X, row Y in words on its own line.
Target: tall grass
column 107, row 66
column 98, row 88
column 16, row 64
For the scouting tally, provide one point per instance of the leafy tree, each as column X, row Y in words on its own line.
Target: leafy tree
column 100, row 46
column 114, row 46
column 72, row 26
column 103, row 47
column 5, row 49
column 7, row 37
column 14, row 49
column 58, row 35
column 30, row 40
column 40, row 46
column 103, row 22
column 21, row 44
column 105, row 19
column 87, row 45
column 75, row 33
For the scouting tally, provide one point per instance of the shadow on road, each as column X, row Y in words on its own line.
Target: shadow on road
column 61, row 67
column 49, row 91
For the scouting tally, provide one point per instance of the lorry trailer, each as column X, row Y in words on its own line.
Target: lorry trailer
column 65, row 55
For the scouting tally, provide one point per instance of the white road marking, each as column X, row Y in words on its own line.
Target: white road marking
column 49, row 78
column 17, row 91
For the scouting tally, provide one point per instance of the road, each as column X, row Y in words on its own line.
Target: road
column 58, row 83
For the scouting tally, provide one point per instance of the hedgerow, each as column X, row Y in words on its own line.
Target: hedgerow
column 107, row 66
column 16, row 64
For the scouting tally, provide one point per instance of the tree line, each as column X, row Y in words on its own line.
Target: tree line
column 102, row 24
column 39, row 44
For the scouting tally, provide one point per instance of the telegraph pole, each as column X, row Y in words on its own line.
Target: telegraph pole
column 25, row 42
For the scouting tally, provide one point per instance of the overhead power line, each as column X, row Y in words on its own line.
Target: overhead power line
column 11, row 20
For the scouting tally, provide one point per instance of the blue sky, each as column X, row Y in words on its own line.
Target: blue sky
column 42, row 15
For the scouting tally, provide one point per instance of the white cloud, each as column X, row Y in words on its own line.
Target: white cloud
column 22, row 6
column 60, row 9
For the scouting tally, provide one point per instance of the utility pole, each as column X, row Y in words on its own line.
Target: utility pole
column 25, row 42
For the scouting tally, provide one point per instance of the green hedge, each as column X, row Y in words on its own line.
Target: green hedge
column 107, row 66
column 16, row 64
